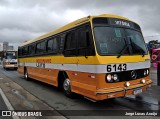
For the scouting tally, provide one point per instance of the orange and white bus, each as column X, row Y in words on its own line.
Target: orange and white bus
column 99, row 57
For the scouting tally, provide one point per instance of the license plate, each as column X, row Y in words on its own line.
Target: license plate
column 137, row 91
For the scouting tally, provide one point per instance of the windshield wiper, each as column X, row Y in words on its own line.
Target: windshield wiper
column 123, row 50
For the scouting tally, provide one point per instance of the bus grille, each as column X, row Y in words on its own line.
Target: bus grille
column 126, row 75
column 13, row 63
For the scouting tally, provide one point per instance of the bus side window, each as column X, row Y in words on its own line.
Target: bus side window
column 70, row 44
column 19, row 52
column 38, row 48
column 56, row 44
column 61, row 43
column 50, row 45
column 25, row 50
column 53, row 45
column 31, row 49
column 41, row 47
column 85, row 43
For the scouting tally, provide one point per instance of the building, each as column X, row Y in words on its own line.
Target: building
column 1, row 46
column 5, row 46
column 10, row 47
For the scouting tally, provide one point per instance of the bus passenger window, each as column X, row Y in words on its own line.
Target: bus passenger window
column 40, row 47
column 31, row 49
column 56, row 44
column 25, row 50
column 70, row 45
column 83, row 39
column 43, row 46
column 19, row 52
column 53, row 45
column 70, row 41
column 85, row 46
column 50, row 45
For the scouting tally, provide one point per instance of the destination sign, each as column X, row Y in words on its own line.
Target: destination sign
column 116, row 22
column 121, row 22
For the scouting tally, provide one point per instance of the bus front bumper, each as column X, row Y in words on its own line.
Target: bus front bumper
column 11, row 66
column 135, row 89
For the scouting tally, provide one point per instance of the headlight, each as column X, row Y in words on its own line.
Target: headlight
column 112, row 78
column 115, row 77
column 145, row 72
column 109, row 78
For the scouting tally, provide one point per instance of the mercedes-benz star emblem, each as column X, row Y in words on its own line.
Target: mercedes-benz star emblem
column 133, row 75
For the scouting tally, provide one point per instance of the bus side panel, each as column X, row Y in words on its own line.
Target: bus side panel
column 83, row 83
column 21, row 70
column 43, row 74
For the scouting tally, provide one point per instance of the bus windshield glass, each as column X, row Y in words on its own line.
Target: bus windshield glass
column 112, row 40
column 10, row 55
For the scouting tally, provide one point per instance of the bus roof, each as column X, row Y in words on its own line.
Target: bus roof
column 72, row 25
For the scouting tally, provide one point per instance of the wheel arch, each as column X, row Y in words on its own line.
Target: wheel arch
column 61, row 77
column 25, row 68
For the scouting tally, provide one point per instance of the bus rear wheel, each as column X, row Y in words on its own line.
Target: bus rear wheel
column 26, row 75
column 67, row 88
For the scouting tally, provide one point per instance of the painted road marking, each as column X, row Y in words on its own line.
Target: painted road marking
column 9, row 106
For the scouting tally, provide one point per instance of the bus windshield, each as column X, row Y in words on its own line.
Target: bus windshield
column 10, row 55
column 112, row 40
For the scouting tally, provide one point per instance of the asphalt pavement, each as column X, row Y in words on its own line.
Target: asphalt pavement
column 15, row 100
column 3, row 106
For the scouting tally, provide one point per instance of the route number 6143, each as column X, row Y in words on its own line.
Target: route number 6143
column 116, row 67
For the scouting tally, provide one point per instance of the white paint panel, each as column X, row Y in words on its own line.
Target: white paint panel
column 90, row 68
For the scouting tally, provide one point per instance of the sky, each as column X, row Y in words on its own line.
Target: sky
column 21, row 20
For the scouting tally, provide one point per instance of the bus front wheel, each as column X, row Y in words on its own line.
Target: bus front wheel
column 67, row 88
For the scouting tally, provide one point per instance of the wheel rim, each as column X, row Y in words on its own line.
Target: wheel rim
column 26, row 75
column 66, row 85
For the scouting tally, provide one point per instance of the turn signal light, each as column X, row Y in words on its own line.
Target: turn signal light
column 127, row 84
column 143, row 81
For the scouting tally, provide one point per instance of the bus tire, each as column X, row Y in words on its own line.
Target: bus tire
column 67, row 88
column 26, row 75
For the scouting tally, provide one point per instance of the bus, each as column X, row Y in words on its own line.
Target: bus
column 9, row 59
column 98, row 57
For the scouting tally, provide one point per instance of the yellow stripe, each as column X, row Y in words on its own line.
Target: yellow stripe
column 90, row 60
